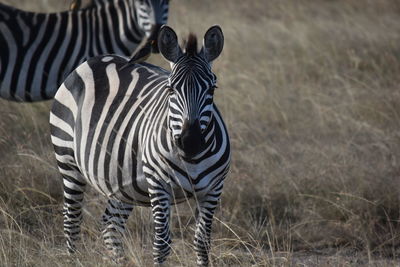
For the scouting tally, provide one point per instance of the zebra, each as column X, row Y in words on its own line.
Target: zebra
column 141, row 135
column 38, row 50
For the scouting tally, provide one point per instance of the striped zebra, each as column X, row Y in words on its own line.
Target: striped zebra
column 38, row 50
column 141, row 135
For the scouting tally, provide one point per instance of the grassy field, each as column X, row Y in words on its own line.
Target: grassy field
column 310, row 91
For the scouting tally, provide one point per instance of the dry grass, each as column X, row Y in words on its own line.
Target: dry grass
column 310, row 93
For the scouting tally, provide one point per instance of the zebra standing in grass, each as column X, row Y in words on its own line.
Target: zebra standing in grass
column 143, row 136
column 38, row 50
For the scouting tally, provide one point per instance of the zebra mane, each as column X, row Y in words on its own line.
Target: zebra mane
column 191, row 45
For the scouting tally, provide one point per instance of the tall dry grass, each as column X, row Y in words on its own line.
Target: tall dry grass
column 310, row 93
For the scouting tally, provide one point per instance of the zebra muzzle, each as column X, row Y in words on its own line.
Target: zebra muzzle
column 191, row 141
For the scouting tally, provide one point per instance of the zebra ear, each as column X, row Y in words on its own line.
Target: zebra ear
column 213, row 43
column 168, row 44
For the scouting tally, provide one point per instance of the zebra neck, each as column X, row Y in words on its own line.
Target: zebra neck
column 209, row 137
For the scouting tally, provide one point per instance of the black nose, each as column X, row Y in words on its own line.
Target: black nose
column 191, row 141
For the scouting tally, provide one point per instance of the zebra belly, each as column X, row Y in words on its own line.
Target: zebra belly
column 129, row 191
column 126, row 187
column 134, row 190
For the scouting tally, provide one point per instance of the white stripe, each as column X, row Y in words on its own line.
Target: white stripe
column 65, row 97
column 60, row 142
column 56, row 121
column 66, row 159
column 101, row 31
column 127, row 44
column 85, row 72
column 107, row 59
column 69, row 184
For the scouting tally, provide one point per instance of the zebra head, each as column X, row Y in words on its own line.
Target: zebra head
column 150, row 16
column 191, row 86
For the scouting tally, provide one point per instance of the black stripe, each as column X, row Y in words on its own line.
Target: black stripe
column 60, row 133
column 61, row 150
column 53, row 53
column 101, row 84
column 62, row 111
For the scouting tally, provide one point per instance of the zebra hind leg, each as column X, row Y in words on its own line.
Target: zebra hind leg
column 114, row 220
column 74, row 187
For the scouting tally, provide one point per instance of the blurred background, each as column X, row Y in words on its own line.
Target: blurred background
column 309, row 90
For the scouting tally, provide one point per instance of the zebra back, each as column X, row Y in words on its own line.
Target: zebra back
column 38, row 50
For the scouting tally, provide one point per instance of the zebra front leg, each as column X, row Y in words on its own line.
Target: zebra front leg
column 114, row 220
column 74, row 188
column 161, row 208
column 206, row 208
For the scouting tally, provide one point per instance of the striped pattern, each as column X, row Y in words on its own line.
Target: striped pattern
column 38, row 50
column 118, row 128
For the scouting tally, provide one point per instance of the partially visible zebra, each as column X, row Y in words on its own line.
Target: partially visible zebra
column 143, row 136
column 38, row 50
